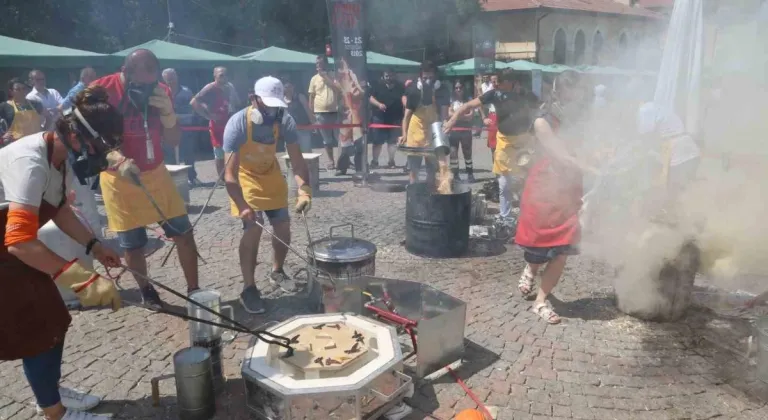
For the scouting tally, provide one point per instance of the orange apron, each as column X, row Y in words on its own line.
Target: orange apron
column 262, row 182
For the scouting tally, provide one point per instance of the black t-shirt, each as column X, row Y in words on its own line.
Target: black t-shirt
column 414, row 97
column 7, row 112
column 513, row 110
column 392, row 98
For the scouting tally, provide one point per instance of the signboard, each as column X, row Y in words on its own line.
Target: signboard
column 484, row 49
column 347, row 32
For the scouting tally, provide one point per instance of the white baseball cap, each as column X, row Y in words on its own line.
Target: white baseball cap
column 270, row 90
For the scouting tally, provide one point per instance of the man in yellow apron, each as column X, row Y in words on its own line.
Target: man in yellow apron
column 148, row 121
column 425, row 104
column 256, row 186
column 513, row 107
column 22, row 116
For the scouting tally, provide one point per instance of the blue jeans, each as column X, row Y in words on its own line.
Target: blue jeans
column 137, row 238
column 43, row 373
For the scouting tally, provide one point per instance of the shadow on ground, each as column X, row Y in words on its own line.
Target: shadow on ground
column 588, row 309
column 194, row 210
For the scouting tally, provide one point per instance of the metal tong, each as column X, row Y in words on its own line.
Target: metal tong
column 278, row 340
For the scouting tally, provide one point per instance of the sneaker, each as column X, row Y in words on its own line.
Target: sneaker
column 340, row 173
column 281, row 280
column 374, row 165
column 149, row 296
column 470, row 178
column 251, row 301
column 82, row 415
column 73, row 399
column 391, row 164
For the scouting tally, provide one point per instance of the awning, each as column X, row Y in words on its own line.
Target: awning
column 182, row 56
column 20, row 53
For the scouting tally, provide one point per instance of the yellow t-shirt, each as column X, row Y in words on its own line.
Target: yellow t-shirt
column 325, row 96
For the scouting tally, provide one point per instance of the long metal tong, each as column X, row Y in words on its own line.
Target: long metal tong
column 278, row 340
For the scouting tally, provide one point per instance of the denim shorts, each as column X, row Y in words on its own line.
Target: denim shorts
column 43, row 372
column 137, row 238
column 543, row 255
column 218, row 153
column 274, row 216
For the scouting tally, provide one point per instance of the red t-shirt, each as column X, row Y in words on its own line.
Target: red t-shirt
column 217, row 100
column 134, row 137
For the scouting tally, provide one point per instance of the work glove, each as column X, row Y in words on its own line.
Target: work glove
column 91, row 289
column 304, row 202
column 124, row 166
column 162, row 102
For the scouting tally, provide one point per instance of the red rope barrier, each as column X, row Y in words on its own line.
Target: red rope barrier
column 334, row 126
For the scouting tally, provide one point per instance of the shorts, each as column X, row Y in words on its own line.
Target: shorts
column 542, row 255
column 274, row 216
column 414, row 163
column 456, row 137
column 330, row 135
column 218, row 153
column 380, row 136
column 137, row 238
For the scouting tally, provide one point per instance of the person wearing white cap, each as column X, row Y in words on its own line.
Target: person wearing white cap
column 256, row 186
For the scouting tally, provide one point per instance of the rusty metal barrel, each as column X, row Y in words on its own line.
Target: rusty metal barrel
column 194, row 383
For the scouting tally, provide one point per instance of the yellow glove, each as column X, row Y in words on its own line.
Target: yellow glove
column 162, row 102
column 124, row 166
column 304, row 202
column 91, row 289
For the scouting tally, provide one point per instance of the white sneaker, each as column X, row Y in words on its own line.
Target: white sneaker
column 73, row 399
column 82, row 415
column 398, row 412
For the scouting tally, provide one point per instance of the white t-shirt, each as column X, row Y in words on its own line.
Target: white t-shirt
column 485, row 87
column 50, row 99
column 26, row 176
column 684, row 148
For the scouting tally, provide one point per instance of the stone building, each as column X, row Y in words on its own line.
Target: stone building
column 576, row 32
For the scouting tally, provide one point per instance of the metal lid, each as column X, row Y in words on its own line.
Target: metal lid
column 343, row 249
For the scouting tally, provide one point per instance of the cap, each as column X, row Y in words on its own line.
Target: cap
column 270, row 90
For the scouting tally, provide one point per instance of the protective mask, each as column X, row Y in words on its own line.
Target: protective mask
column 139, row 93
column 84, row 164
column 265, row 116
column 422, row 83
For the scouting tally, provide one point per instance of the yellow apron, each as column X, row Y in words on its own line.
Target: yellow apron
column 420, row 127
column 128, row 207
column 263, row 185
column 25, row 122
column 505, row 156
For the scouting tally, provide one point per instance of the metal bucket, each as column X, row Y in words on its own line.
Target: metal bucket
column 313, row 167
column 208, row 336
column 180, row 176
column 194, row 384
column 762, row 348
column 437, row 225
column 440, row 142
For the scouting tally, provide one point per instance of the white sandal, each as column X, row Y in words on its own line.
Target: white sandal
column 527, row 283
column 545, row 312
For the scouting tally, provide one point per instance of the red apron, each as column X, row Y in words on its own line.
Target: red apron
column 220, row 109
column 33, row 317
column 493, row 128
column 549, row 207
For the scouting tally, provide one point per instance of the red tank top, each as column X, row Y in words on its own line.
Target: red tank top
column 134, row 135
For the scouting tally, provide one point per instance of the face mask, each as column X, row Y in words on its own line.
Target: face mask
column 266, row 115
column 83, row 163
column 139, row 93
column 427, row 83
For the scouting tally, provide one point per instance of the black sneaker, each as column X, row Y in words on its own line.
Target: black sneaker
column 281, row 280
column 150, row 297
column 391, row 164
column 374, row 165
column 251, row 301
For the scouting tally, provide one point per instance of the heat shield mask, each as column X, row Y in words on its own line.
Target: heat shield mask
column 86, row 164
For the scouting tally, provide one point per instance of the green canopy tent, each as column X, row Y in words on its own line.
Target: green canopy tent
column 557, row 68
column 182, row 56
column 282, row 58
column 464, row 67
column 19, row 53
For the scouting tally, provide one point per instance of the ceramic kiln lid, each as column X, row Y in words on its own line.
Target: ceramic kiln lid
column 342, row 249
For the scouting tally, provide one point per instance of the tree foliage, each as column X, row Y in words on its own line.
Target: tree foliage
column 231, row 27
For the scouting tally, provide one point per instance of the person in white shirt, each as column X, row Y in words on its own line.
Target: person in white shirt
column 50, row 98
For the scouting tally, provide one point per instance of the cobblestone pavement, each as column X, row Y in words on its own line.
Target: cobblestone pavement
column 599, row 364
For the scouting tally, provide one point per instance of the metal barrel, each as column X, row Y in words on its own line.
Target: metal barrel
column 194, row 383
column 440, row 142
column 437, row 225
column 762, row 348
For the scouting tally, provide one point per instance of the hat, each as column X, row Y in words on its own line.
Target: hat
column 270, row 90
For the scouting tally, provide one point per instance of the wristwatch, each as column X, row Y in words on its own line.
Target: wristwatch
column 89, row 246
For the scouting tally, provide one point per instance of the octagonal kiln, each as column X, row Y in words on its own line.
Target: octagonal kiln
column 344, row 367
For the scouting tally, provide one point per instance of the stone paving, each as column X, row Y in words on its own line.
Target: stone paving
column 598, row 364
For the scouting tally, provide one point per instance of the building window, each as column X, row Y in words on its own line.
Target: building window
column 560, row 47
column 597, row 47
column 579, row 46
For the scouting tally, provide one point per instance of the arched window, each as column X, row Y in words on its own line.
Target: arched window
column 597, row 47
column 560, row 47
column 579, row 46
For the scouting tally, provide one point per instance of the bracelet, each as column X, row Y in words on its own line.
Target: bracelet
column 89, row 246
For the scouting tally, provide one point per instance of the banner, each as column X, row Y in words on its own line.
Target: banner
column 347, row 31
column 484, row 49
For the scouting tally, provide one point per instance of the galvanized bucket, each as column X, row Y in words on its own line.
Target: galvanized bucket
column 440, row 142
column 194, row 383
